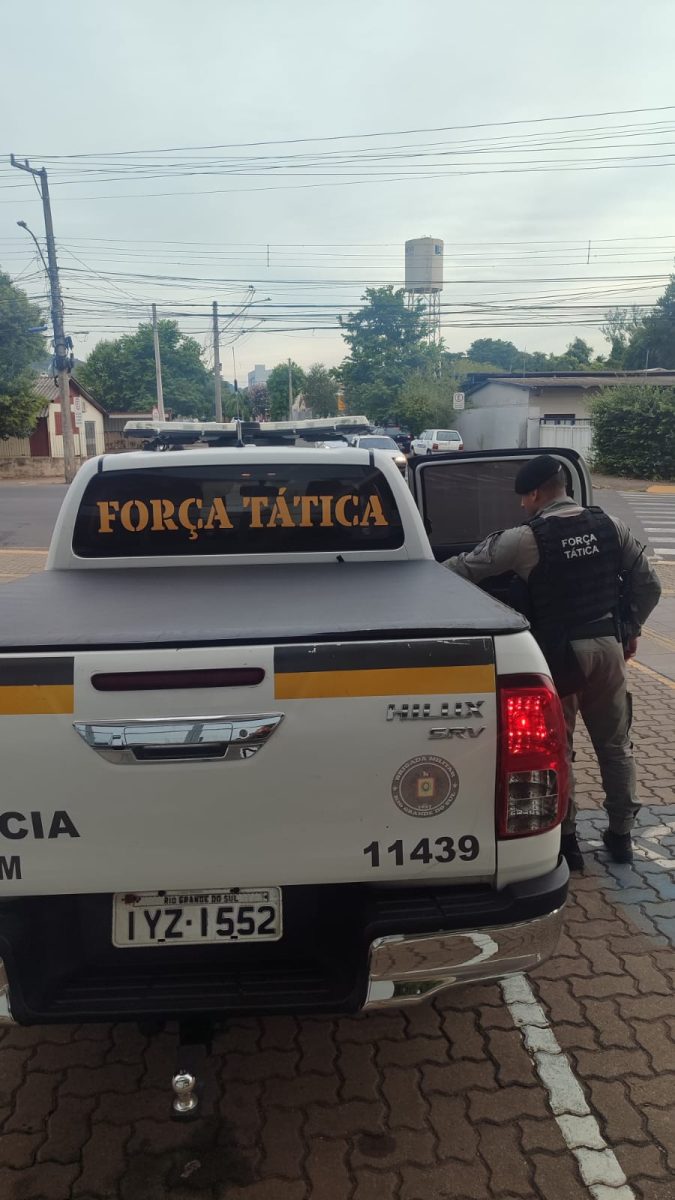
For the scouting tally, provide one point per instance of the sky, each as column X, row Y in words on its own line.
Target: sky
column 550, row 211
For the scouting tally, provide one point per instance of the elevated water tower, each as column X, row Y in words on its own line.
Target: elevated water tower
column 424, row 277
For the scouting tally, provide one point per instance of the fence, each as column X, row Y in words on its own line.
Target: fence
column 14, row 447
column 577, row 437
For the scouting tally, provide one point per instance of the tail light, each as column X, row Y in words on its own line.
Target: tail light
column 533, row 775
column 434, row 445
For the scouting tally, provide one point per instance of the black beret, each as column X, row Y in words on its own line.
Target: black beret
column 537, row 471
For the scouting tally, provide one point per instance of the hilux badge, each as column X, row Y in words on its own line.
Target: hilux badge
column 457, row 710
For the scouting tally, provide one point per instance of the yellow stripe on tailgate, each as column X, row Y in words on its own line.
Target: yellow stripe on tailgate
column 34, row 685
column 33, row 699
column 401, row 681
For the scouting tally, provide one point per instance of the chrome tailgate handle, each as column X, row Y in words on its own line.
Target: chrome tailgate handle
column 179, row 739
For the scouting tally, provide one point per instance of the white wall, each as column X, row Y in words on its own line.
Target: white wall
column 564, row 400
column 499, row 394
column 90, row 414
column 496, row 427
column 577, row 437
column 573, row 400
column 502, row 416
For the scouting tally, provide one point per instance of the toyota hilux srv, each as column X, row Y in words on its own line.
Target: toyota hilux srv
column 261, row 751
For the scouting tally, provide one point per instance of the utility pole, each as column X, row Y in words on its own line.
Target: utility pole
column 216, row 363
column 236, row 385
column 290, row 391
column 158, row 363
column 62, row 346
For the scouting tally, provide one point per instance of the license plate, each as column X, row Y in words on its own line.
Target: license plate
column 173, row 918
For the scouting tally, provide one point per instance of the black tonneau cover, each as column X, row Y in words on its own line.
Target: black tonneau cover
column 191, row 606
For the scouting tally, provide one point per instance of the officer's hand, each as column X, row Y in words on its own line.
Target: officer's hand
column 630, row 648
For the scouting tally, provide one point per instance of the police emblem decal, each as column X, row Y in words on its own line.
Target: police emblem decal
column 425, row 786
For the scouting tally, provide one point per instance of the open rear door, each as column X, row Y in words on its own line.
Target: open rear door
column 464, row 497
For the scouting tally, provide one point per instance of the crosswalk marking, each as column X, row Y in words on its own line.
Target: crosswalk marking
column 656, row 513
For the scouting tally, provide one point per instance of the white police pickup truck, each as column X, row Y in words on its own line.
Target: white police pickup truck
column 260, row 751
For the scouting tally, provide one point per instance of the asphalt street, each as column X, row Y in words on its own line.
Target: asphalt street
column 651, row 517
column 28, row 512
column 656, row 514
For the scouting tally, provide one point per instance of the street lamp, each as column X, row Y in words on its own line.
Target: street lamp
column 23, row 225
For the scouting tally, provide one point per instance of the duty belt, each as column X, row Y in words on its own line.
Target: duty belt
column 605, row 627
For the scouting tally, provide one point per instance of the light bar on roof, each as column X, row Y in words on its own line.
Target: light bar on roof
column 240, row 432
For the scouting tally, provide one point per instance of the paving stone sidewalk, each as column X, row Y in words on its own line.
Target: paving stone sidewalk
column 439, row 1101
column 16, row 564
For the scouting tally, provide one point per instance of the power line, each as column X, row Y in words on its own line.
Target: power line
column 386, row 163
column 582, row 241
column 357, row 136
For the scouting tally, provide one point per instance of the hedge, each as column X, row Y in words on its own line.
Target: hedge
column 634, row 431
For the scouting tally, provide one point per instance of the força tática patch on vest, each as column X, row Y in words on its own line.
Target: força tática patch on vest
column 582, row 545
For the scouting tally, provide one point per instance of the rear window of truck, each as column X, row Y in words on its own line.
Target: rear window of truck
column 247, row 509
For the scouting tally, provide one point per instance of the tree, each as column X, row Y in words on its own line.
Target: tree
column 620, row 325
column 459, row 368
column 121, row 373
column 576, row 357
column 258, row 402
column 237, row 405
column 277, row 389
column 19, row 348
column 421, row 403
column 634, row 431
column 387, row 344
column 320, row 391
column 652, row 342
column 505, row 355
column 488, row 351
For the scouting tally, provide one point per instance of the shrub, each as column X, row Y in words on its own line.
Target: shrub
column 634, row 431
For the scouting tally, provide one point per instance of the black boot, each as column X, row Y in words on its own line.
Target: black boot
column 569, row 848
column 619, row 845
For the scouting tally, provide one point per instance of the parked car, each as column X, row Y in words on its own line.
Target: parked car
column 374, row 441
column 402, row 439
column 437, row 441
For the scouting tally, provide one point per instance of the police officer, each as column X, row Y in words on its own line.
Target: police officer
column 570, row 559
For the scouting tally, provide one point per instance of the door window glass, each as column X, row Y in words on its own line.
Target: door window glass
column 465, row 501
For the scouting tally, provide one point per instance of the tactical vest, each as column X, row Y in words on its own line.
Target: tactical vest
column 576, row 580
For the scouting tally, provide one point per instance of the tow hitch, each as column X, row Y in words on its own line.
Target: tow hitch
column 194, row 1045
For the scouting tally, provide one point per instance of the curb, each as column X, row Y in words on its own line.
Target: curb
column 662, row 489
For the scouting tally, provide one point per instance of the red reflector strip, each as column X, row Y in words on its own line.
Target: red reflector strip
column 151, row 681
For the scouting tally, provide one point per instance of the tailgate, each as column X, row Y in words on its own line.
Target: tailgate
column 245, row 766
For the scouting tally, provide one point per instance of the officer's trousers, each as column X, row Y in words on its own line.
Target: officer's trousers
column 606, row 708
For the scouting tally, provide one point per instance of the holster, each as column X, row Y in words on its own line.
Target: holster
column 563, row 664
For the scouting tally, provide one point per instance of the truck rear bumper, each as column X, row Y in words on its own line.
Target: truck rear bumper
column 405, row 970
column 345, row 948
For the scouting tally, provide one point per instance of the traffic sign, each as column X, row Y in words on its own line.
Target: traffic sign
column 458, row 400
